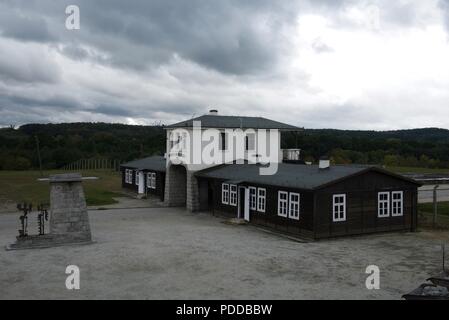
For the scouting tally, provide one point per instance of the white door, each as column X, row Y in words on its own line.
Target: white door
column 246, row 210
column 141, row 182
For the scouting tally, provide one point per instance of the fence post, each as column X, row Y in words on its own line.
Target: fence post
column 443, row 247
column 435, row 206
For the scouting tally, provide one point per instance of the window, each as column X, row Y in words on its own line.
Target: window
column 261, row 195
column 293, row 208
column 233, row 197
column 339, row 207
column 250, row 142
column 383, row 204
column 222, row 141
column 137, row 178
column 282, row 203
column 225, row 193
column 126, row 176
column 151, row 180
column 184, row 140
column 252, row 198
column 397, row 203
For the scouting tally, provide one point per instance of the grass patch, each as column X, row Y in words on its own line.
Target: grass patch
column 19, row 186
column 101, row 198
column 443, row 208
column 425, row 218
column 425, row 221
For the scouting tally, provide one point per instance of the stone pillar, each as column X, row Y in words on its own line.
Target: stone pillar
column 193, row 197
column 69, row 221
column 175, row 186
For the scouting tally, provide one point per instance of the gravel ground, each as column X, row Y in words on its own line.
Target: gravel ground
column 168, row 253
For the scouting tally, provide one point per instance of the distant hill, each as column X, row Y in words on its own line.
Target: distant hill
column 427, row 147
column 65, row 143
column 425, row 134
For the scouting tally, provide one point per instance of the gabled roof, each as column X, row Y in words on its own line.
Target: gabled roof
column 308, row 177
column 156, row 163
column 223, row 122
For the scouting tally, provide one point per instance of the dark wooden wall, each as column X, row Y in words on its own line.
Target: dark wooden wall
column 301, row 227
column 132, row 187
column 160, row 183
column 316, row 219
column 361, row 206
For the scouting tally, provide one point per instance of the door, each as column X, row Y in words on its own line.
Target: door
column 243, row 203
column 141, row 186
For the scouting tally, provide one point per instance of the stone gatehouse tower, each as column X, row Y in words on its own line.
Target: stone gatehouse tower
column 183, row 160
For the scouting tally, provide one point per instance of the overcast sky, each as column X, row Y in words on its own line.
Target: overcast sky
column 319, row 63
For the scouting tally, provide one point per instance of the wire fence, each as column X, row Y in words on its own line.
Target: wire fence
column 432, row 199
column 94, row 164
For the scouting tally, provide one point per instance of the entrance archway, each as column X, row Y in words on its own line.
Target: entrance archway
column 176, row 186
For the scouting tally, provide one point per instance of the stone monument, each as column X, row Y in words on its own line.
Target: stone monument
column 69, row 220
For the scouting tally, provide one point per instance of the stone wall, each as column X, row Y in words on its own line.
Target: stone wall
column 175, row 186
column 193, row 197
column 181, row 188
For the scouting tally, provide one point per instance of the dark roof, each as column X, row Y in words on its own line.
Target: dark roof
column 156, row 163
column 216, row 121
column 291, row 175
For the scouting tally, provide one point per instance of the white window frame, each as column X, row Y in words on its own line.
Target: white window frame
column 250, row 142
column 338, row 208
column 233, row 195
column 126, row 175
column 383, row 202
column 151, row 180
column 225, row 193
column 137, row 177
column 223, row 143
column 261, row 199
column 154, row 180
column 399, row 202
column 283, row 204
column 294, row 206
column 252, row 198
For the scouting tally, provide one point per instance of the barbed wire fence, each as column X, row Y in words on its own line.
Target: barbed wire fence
column 93, row 164
column 434, row 195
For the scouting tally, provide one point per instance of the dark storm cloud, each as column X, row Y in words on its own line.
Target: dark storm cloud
column 234, row 37
column 228, row 36
column 27, row 28
column 143, row 60
column 20, row 64
column 54, row 102
column 115, row 111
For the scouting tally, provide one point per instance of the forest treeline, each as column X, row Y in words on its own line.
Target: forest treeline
column 61, row 144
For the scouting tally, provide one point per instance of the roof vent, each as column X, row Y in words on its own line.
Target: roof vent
column 213, row 112
column 324, row 163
